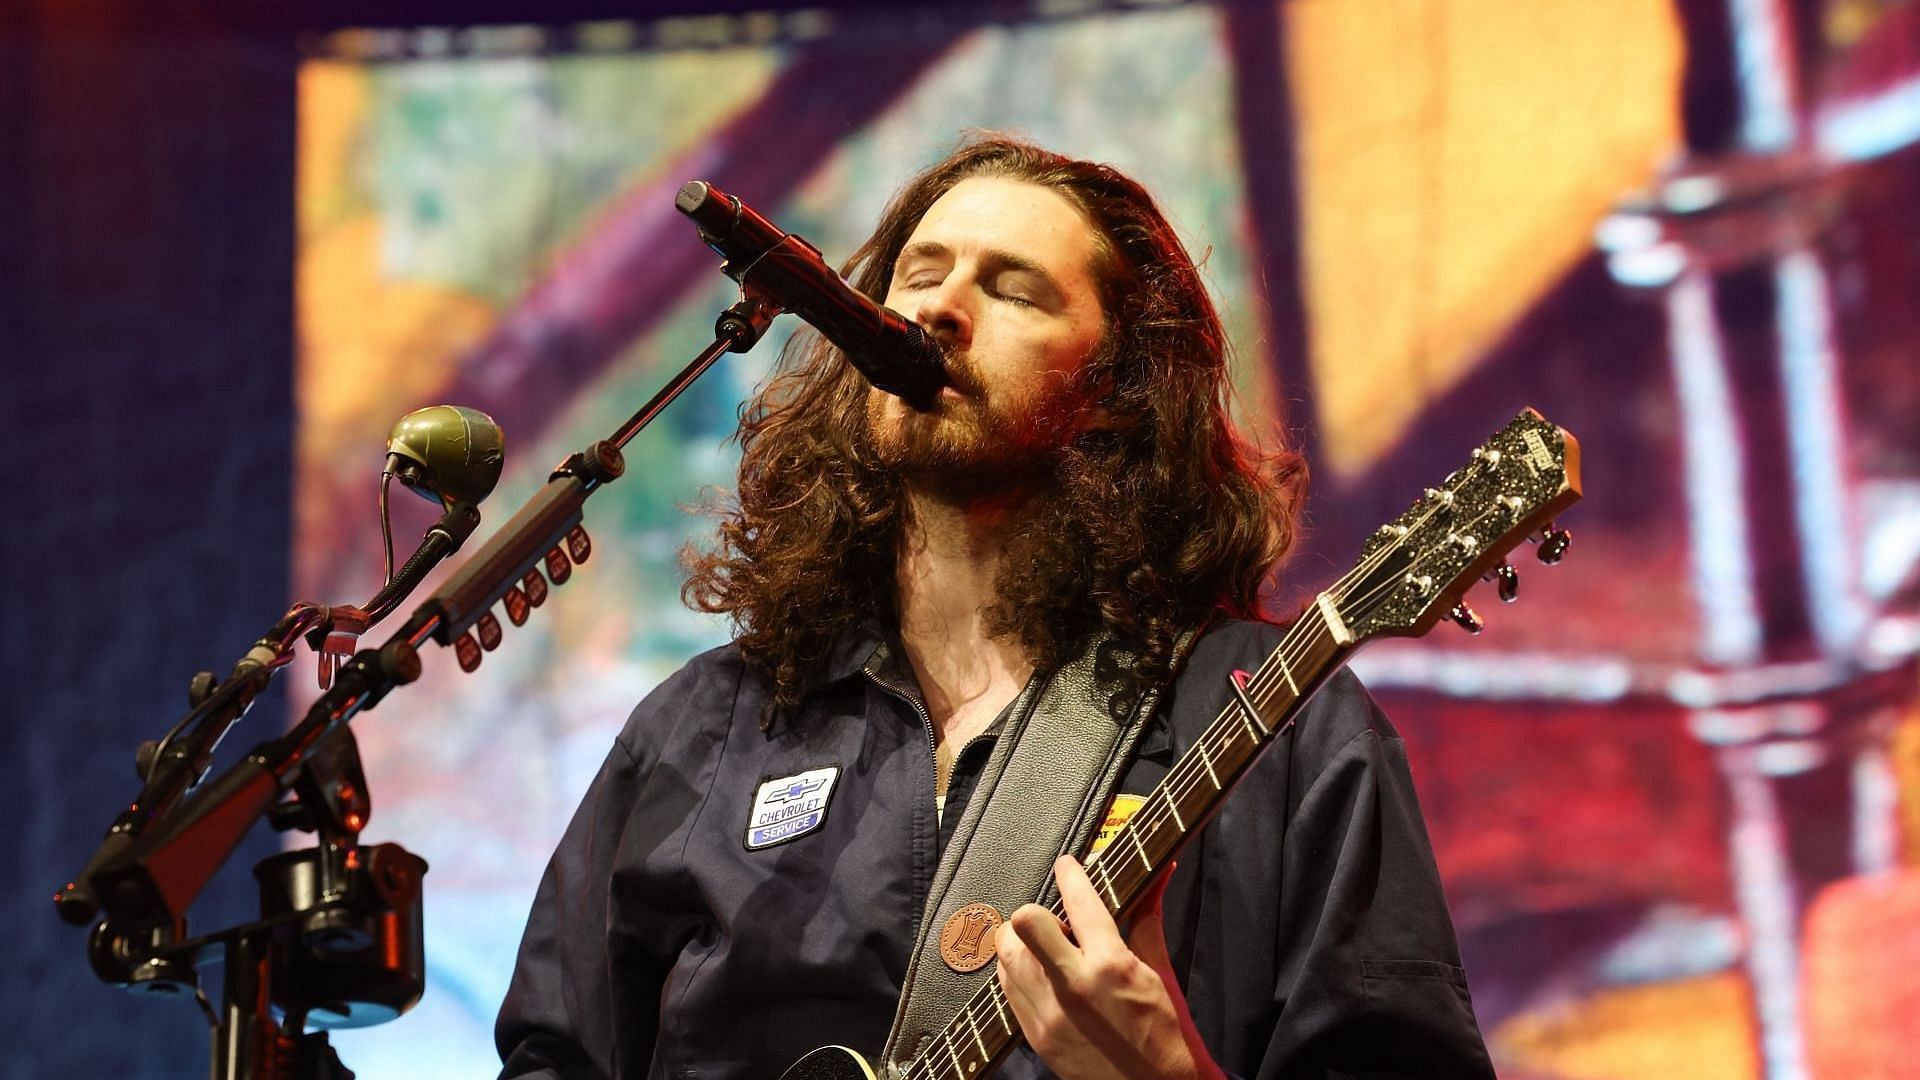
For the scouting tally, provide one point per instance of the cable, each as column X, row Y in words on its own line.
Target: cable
column 386, row 528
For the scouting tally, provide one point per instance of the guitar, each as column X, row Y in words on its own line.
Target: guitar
column 1412, row 570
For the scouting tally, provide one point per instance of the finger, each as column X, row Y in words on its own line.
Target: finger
column 1093, row 925
column 1046, row 940
column 1023, row 984
column 1020, row 976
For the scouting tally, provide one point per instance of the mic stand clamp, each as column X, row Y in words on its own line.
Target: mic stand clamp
column 745, row 322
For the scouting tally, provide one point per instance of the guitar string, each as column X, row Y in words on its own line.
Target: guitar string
column 1222, row 734
column 991, row 994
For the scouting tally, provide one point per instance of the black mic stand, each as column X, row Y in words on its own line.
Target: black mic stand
column 312, row 954
column 322, row 908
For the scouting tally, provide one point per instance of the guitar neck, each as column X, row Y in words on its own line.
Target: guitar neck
column 1314, row 648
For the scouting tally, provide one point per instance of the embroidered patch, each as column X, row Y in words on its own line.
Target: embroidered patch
column 1118, row 811
column 790, row 807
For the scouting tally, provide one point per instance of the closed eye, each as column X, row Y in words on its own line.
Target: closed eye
column 1022, row 286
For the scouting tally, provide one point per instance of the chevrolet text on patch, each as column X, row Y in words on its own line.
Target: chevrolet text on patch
column 790, row 807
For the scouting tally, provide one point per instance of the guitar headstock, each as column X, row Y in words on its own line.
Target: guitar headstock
column 1416, row 567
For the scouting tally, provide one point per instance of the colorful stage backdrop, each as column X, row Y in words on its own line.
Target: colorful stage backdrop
column 1675, row 791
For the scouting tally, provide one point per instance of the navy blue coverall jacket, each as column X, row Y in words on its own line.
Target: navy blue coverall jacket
column 679, row 934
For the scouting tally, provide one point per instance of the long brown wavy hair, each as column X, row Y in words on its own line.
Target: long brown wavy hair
column 1144, row 530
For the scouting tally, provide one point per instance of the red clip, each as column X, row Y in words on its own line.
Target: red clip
column 345, row 623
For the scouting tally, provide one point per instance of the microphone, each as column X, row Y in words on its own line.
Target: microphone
column 447, row 454
column 891, row 350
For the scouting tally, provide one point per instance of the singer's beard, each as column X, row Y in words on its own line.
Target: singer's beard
column 967, row 445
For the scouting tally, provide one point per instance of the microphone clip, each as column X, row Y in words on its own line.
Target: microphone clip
column 337, row 638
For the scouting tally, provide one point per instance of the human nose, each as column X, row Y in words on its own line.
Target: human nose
column 946, row 312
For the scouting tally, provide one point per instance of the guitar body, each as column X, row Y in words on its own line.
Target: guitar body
column 830, row 1063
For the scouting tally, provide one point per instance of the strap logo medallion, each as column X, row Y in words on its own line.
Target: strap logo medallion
column 966, row 941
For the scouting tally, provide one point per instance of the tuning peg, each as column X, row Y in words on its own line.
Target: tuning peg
column 1466, row 618
column 1509, row 582
column 144, row 756
column 1553, row 545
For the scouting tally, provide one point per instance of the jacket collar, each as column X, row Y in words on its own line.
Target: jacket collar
column 865, row 644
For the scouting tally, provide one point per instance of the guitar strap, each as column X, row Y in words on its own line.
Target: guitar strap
column 1042, row 793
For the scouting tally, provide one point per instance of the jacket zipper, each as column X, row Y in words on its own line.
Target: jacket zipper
column 926, row 723
column 919, row 709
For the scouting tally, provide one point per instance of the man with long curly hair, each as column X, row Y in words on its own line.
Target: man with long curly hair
column 747, row 876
